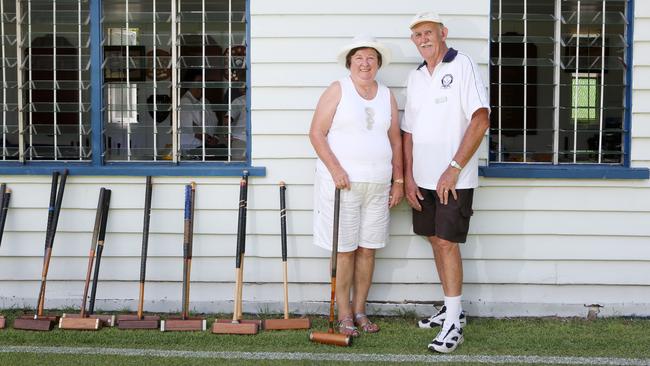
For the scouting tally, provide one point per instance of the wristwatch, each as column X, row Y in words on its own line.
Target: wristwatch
column 455, row 164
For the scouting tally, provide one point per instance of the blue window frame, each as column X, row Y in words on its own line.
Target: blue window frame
column 560, row 91
column 123, row 87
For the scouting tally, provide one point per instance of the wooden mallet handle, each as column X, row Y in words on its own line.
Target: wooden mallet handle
column 335, row 249
column 100, row 249
column 145, row 244
column 93, row 246
column 283, row 240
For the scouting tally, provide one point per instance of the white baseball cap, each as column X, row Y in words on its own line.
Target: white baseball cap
column 365, row 41
column 425, row 16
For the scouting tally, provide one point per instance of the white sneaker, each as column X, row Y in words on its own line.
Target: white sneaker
column 439, row 318
column 447, row 342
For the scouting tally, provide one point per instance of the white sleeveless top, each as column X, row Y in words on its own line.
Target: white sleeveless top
column 359, row 136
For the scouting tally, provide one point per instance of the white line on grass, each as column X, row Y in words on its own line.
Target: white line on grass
column 352, row 357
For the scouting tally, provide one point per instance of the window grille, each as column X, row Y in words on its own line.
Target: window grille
column 45, row 80
column 156, row 53
column 175, row 80
column 9, row 75
column 558, row 74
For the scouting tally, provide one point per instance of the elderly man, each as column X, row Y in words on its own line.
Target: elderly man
column 194, row 119
column 445, row 119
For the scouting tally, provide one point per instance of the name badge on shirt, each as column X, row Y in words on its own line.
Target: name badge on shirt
column 439, row 100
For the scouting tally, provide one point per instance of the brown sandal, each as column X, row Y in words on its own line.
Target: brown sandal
column 346, row 326
column 362, row 321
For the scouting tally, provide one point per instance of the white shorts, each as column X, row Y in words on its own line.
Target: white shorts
column 363, row 219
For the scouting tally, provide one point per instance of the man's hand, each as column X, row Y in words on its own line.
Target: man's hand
column 447, row 184
column 211, row 141
column 413, row 195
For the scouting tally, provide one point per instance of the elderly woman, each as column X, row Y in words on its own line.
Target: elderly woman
column 355, row 133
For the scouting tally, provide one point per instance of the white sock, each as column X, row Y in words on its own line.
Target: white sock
column 453, row 312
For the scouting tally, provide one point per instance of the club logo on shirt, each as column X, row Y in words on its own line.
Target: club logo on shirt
column 446, row 81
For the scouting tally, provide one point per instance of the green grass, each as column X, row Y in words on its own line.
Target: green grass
column 101, row 360
column 612, row 337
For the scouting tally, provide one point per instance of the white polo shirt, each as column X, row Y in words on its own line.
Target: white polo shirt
column 190, row 120
column 438, row 110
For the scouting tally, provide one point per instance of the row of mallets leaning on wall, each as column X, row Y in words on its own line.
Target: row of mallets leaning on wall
column 86, row 319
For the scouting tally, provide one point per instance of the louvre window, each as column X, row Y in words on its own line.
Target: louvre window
column 558, row 72
column 173, row 81
column 45, row 80
column 172, row 87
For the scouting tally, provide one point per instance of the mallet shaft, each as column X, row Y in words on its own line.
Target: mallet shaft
column 335, row 249
column 49, row 240
column 100, row 249
column 93, row 246
column 6, row 196
column 145, row 244
column 186, row 247
column 283, row 241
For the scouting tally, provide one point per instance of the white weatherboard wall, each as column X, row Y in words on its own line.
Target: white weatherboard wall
column 536, row 247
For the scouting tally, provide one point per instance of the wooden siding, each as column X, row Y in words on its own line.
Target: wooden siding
column 536, row 247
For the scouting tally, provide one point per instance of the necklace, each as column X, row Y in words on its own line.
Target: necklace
column 365, row 92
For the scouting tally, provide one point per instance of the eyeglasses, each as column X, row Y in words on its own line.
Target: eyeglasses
column 370, row 121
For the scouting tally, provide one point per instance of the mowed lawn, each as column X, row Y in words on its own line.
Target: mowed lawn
column 611, row 337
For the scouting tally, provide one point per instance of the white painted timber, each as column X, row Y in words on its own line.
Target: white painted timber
column 641, row 148
column 641, row 125
column 641, row 9
column 642, row 52
column 536, row 246
column 318, row 50
column 478, row 246
column 319, row 74
column 639, row 98
column 383, row 25
column 272, row 122
column 260, row 270
column 343, row 7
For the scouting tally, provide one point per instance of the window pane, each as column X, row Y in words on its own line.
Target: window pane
column 583, row 98
column 45, row 78
column 191, row 102
column 528, row 78
column 9, row 115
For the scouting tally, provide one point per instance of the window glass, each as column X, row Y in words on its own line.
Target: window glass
column 45, row 80
column 175, row 80
column 557, row 81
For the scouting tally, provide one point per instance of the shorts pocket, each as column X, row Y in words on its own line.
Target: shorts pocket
column 466, row 201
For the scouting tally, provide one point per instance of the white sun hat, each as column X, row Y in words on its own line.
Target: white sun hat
column 365, row 41
column 425, row 16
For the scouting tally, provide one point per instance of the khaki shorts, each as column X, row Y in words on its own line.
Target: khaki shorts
column 363, row 219
column 449, row 222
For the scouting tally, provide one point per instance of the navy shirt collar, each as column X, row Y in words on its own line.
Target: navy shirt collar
column 449, row 57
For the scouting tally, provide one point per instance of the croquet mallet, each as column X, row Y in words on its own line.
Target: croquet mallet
column 83, row 322
column 332, row 338
column 5, row 195
column 39, row 321
column 286, row 323
column 139, row 320
column 185, row 322
column 107, row 320
column 238, row 325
